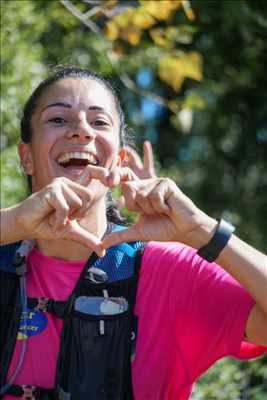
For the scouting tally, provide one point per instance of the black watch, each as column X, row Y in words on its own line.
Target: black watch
column 218, row 241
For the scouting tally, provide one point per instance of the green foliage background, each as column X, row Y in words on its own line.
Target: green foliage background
column 220, row 161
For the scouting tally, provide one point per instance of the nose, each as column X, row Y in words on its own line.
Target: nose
column 81, row 130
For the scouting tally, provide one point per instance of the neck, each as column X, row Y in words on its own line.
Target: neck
column 70, row 250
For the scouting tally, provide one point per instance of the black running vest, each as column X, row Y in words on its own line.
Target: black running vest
column 94, row 361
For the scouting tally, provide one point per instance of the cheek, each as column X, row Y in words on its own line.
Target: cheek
column 110, row 142
column 44, row 143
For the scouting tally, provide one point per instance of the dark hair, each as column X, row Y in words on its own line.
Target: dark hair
column 113, row 214
column 62, row 73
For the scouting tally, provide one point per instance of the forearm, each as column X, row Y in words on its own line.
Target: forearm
column 10, row 229
column 246, row 264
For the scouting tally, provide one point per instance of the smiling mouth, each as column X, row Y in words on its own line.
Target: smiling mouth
column 75, row 159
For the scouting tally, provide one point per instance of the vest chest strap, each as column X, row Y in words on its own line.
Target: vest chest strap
column 45, row 304
column 30, row 392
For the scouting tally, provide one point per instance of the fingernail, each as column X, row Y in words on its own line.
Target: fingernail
column 101, row 250
column 102, row 254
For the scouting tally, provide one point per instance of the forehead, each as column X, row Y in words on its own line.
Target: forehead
column 78, row 92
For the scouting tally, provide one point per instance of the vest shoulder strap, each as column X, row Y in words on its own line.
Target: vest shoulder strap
column 7, row 253
column 129, row 250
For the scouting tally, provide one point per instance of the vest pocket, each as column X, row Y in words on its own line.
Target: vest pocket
column 95, row 350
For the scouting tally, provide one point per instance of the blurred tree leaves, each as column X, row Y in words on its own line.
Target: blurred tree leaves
column 196, row 79
column 36, row 35
column 13, row 182
column 130, row 24
column 153, row 23
column 21, row 61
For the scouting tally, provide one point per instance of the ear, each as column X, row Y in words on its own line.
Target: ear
column 121, row 156
column 25, row 155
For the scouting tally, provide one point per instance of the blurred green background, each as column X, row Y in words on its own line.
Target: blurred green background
column 192, row 79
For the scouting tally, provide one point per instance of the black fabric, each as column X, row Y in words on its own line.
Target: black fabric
column 38, row 393
column 95, row 363
column 10, row 311
column 6, row 256
column 58, row 308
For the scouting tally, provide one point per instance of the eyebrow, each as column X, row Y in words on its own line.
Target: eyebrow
column 59, row 104
column 67, row 105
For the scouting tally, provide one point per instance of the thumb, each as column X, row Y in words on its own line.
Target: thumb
column 120, row 202
column 82, row 236
column 117, row 237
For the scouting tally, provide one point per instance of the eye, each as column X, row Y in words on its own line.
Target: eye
column 100, row 122
column 57, row 120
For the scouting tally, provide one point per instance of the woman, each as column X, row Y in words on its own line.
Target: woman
column 190, row 311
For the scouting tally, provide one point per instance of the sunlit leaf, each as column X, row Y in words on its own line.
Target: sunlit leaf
column 192, row 65
column 169, row 37
column 160, row 9
column 124, row 19
column 173, row 70
column 170, row 71
column 159, row 37
column 142, row 19
column 112, row 31
column 133, row 37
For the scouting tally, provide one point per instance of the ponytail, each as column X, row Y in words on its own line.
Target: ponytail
column 113, row 212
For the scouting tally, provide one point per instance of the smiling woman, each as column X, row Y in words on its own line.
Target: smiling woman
column 95, row 106
column 63, row 115
column 91, row 282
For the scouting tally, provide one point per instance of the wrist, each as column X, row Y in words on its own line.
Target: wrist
column 203, row 232
column 11, row 230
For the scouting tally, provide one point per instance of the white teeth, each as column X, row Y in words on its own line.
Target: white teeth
column 77, row 155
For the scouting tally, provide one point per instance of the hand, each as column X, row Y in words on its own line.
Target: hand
column 54, row 212
column 166, row 214
column 144, row 170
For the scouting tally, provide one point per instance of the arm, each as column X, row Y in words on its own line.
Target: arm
column 10, row 230
column 166, row 214
column 249, row 267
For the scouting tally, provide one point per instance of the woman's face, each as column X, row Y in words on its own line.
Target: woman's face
column 75, row 123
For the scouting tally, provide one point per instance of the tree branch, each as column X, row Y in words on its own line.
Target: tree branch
column 81, row 16
column 124, row 77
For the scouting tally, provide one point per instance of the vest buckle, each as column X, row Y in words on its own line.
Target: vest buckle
column 30, row 392
column 42, row 304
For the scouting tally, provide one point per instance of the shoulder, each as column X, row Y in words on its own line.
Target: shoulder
column 6, row 256
column 167, row 249
column 168, row 256
column 165, row 267
column 180, row 267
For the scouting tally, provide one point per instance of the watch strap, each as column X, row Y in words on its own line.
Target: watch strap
column 218, row 241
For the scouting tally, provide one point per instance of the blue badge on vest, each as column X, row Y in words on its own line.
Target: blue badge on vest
column 36, row 323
